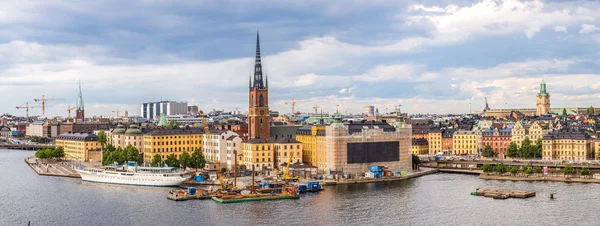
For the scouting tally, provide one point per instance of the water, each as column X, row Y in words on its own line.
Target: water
column 441, row 199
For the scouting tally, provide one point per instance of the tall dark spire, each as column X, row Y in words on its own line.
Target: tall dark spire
column 258, row 79
column 266, row 80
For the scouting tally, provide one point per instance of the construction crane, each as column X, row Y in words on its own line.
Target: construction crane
column 117, row 111
column 286, row 175
column 293, row 103
column 316, row 107
column 43, row 99
column 207, row 132
column 26, row 106
column 69, row 108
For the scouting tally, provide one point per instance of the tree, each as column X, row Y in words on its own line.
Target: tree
column 537, row 170
column 552, row 171
column 197, row 161
column 102, row 138
column 568, row 170
column 513, row 150
column 591, row 111
column 514, row 170
column 526, row 148
column 185, row 160
column 564, row 112
column 156, row 161
column 42, row 154
column 415, row 161
column 585, row 172
column 132, row 154
column 528, row 170
column 58, row 152
column 173, row 125
column 488, row 152
column 500, row 168
column 537, row 150
column 486, row 168
column 172, row 161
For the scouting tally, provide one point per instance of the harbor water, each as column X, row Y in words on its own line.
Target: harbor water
column 440, row 199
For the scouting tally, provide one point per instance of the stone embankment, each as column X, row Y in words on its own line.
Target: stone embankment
column 487, row 176
column 410, row 175
column 56, row 169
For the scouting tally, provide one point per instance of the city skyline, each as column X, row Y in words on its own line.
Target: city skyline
column 431, row 57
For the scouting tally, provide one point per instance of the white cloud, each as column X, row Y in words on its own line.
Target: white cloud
column 587, row 29
column 397, row 72
column 562, row 29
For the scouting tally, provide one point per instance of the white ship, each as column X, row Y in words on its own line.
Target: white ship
column 134, row 175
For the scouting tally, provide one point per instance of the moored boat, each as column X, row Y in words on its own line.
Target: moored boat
column 134, row 175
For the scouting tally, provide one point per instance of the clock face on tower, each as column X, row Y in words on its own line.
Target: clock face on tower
column 262, row 112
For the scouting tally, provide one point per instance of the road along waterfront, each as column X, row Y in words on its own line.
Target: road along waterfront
column 438, row 199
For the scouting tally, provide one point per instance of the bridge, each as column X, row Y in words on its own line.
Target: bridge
column 476, row 165
column 32, row 147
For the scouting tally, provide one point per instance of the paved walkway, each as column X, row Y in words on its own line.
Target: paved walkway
column 60, row 168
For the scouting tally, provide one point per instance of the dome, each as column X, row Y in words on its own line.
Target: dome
column 133, row 131
column 119, row 130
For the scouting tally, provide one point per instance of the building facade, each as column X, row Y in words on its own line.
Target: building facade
column 153, row 110
column 447, row 137
column 543, row 100
column 78, row 146
column 465, row 142
column 258, row 153
column 307, row 135
column 568, row 144
column 259, row 121
column 171, row 141
column 420, row 146
column 498, row 140
column 286, row 148
column 435, row 141
column 216, row 149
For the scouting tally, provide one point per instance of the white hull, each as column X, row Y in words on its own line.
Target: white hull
column 130, row 178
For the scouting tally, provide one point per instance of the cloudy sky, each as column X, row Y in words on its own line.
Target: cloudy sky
column 432, row 56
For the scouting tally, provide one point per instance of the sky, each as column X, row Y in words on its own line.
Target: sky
column 431, row 56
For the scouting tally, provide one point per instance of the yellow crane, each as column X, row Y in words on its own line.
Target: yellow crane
column 286, row 175
column 26, row 106
column 69, row 108
column 207, row 132
column 43, row 100
column 293, row 103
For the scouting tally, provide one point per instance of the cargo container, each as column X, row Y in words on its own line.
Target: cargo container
column 199, row 178
column 191, row 190
column 302, row 187
column 376, row 168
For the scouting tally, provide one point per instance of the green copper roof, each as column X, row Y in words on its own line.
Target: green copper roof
column 543, row 91
column 79, row 98
column 133, row 130
column 119, row 130
column 163, row 120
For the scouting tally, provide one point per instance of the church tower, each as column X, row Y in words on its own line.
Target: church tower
column 543, row 100
column 79, row 108
column 259, row 124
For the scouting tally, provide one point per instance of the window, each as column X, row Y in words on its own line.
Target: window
column 261, row 102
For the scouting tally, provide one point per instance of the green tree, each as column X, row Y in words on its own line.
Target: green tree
column 568, row 170
column 156, row 161
column 552, row 171
column 58, row 152
column 185, row 160
column 528, row 170
column 537, row 170
column 132, row 154
column 486, row 168
column 585, row 172
column 415, row 161
column 102, row 138
column 591, row 111
column 500, row 168
column 537, row 150
column 173, row 125
column 197, row 161
column 526, row 148
column 513, row 150
column 488, row 152
column 172, row 161
column 564, row 112
column 43, row 154
column 514, row 170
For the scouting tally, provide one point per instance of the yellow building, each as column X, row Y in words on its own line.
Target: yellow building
column 308, row 136
column 465, row 142
column 77, row 146
column 284, row 147
column 322, row 151
column 567, row 144
column 171, row 141
column 597, row 148
column 534, row 131
column 420, row 146
column 258, row 153
column 435, row 141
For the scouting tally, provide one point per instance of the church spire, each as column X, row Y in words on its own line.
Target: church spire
column 267, row 80
column 258, row 79
column 79, row 98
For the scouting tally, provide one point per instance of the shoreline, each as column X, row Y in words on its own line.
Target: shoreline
column 485, row 176
column 384, row 179
column 30, row 164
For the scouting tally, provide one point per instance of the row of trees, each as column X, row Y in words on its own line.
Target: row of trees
column 196, row 160
column 538, row 170
column 37, row 139
column 526, row 151
column 111, row 155
column 49, row 153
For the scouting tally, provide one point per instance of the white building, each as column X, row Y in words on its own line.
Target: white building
column 185, row 119
column 152, row 110
column 217, row 150
column 35, row 129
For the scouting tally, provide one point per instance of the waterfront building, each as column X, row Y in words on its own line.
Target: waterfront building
column 420, row 146
column 234, row 150
column 79, row 109
column 171, row 141
column 543, row 100
column 5, row 131
column 435, row 141
column 568, row 144
column 117, row 136
column 353, row 147
column 36, row 129
column 465, row 142
column 498, row 140
column 79, row 146
column 307, row 135
column 447, row 137
column 534, row 131
column 215, row 147
column 258, row 152
column 153, row 110
column 286, row 147
column 134, row 137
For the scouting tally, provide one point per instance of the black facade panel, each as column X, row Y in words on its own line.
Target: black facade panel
column 366, row 152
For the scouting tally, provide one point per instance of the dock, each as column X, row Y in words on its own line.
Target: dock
column 503, row 194
column 252, row 197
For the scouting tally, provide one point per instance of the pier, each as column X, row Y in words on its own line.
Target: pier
column 503, row 194
column 56, row 169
